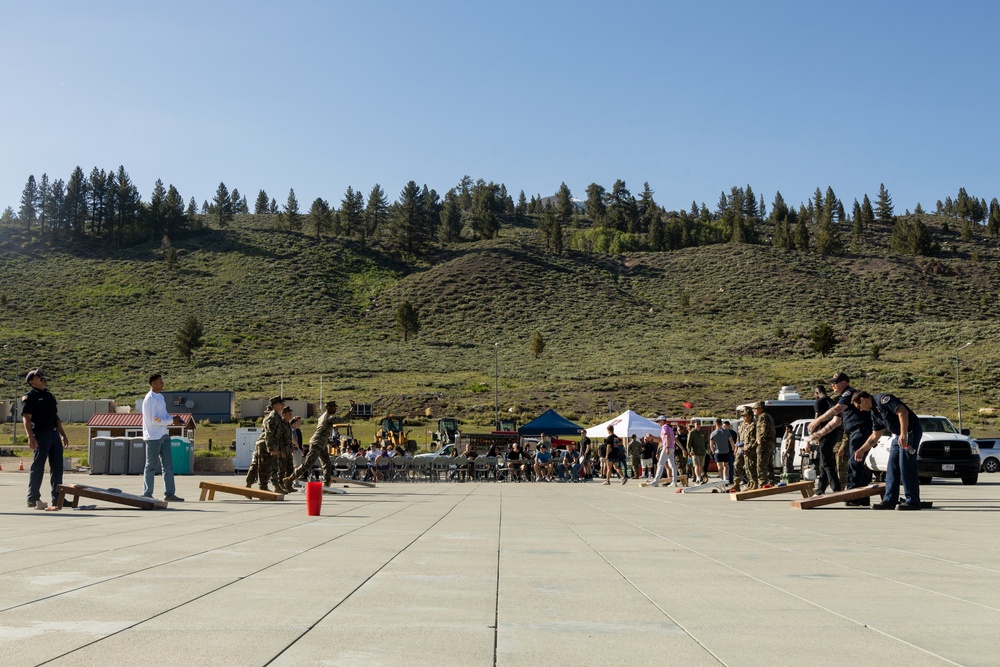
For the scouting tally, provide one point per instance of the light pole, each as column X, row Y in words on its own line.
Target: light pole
column 496, row 386
column 958, row 382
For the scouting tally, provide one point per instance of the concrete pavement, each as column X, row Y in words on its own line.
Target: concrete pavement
column 505, row 574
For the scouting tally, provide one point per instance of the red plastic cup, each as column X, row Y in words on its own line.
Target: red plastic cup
column 314, row 497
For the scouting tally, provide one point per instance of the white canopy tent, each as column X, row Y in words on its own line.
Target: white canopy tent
column 626, row 424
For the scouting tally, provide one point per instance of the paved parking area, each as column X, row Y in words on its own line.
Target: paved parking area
column 504, row 574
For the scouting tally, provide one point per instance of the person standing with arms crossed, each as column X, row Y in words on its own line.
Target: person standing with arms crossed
column 155, row 422
column 46, row 438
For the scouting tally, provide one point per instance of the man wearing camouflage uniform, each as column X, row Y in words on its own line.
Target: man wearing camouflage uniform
column 268, row 445
column 745, row 453
column 284, row 467
column 763, row 435
column 319, row 447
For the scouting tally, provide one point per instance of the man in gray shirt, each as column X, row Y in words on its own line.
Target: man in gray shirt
column 721, row 443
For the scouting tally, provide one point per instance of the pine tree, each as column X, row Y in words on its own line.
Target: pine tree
column 801, row 237
column 823, row 339
column 883, row 209
column 407, row 320
column 76, row 202
column 351, row 208
column 858, row 228
column 867, row 213
column 595, row 206
column 994, row 218
column 192, row 209
column 176, row 219
column 375, row 215
column 28, row 213
column 291, row 215
column 223, row 206
column 564, row 204
column 320, row 217
column 260, row 206
column 450, row 229
column 189, row 337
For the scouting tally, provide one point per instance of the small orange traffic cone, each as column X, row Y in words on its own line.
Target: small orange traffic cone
column 20, row 466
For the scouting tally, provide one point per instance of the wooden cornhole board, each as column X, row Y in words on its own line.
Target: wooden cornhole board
column 718, row 486
column 344, row 480
column 839, row 497
column 70, row 495
column 208, row 490
column 805, row 488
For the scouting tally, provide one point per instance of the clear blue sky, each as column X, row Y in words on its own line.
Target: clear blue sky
column 694, row 97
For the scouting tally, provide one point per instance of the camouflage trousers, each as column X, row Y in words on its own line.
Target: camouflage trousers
column 746, row 466
column 841, row 451
column 765, row 464
column 315, row 452
column 261, row 467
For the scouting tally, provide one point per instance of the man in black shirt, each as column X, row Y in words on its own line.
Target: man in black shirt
column 827, row 473
column 46, row 438
column 858, row 425
column 891, row 414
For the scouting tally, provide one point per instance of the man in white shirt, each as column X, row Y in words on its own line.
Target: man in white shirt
column 155, row 422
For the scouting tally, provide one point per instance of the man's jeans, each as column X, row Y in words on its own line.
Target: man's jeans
column 158, row 450
column 49, row 449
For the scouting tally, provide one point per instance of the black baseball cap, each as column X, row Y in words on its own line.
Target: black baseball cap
column 840, row 377
column 37, row 373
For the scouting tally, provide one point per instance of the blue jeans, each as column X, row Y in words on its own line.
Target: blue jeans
column 49, row 449
column 902, row 465
column 158, row 450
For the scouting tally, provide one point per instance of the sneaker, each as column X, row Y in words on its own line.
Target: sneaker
column 624, row 480
column 673, row 485
column 853, row 503
column 908, row 506
column 883, row 506
column 650, row 484
column 173, row 499
column 607, row 482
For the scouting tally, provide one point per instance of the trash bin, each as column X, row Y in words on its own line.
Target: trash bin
column 136, row 456
column 97, row 455
column 118, row 460
column 182, row 455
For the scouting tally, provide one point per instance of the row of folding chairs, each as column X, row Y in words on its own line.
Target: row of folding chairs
column 420, row 469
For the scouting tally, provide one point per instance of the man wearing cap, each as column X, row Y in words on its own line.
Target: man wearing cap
column 155, row 422
column 764, row 442
column 746, row 453
column 831, row 432
column 269, row 444
column 666, row 454
column 858, row 425
column 891, row 414
column 46, row 438
column 319, row 448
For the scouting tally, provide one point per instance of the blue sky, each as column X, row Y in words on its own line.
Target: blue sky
column 692, row 97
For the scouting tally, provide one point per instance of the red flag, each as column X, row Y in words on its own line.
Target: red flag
column 688, row 404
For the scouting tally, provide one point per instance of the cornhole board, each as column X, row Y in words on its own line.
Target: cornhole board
column 344, row 480
column 326, row 489
column 718, row 486
column 70, row 494
column 806, row 488
column 839, row 497
column 208, row 490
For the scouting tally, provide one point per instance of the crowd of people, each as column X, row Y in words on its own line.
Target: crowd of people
column 743, row 456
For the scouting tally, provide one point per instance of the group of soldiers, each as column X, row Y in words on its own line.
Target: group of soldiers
column 273, row 460
column 755, row 449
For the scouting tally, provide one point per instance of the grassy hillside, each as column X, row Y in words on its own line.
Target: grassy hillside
column 281, row 306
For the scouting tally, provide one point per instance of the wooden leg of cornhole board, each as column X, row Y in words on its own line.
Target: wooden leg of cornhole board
column 61, row 501
column 344, row 480
column 839, row 497
column 204, row 493
column 212, row 487
column 805, row 488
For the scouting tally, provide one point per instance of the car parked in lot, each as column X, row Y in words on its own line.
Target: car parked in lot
column 989, row 452
column 943, row 452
